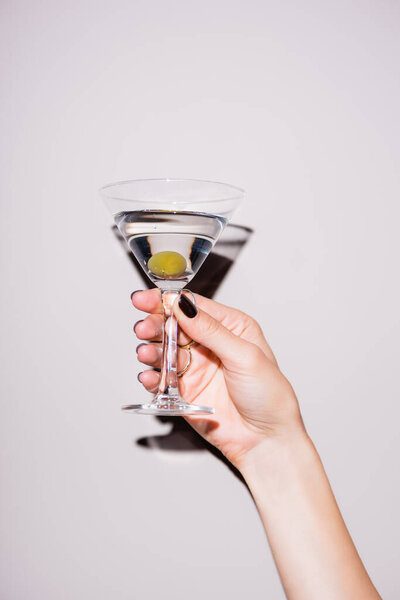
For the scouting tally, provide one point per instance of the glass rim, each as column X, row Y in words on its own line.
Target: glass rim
column 239, row 192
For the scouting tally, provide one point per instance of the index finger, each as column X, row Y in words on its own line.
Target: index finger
column 150, row 301
column 233, row 319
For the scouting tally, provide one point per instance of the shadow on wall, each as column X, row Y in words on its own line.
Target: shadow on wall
column 182, row 438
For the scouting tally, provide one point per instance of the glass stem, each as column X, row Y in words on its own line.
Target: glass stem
column 168, row 388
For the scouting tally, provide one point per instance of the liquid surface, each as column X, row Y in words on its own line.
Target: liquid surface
column 189, row 234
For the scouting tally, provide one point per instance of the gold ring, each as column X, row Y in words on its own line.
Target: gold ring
column 186, row 367
column 191, row 293
column 187, row 346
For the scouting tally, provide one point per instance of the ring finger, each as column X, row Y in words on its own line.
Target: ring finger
column 151, row 354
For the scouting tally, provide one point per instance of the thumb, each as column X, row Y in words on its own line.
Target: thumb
column 209, row 332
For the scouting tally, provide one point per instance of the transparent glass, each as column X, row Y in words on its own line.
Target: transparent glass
column 166, row 220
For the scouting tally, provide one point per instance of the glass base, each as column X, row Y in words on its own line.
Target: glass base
column 169, row 408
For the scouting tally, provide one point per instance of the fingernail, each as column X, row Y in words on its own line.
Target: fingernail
column 138, row 346
column 136, row 324
column 138, row 377
column 187, row 307
column 135, row 292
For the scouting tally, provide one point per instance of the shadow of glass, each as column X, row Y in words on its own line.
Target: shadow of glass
column 206, row 282
column 183, row 438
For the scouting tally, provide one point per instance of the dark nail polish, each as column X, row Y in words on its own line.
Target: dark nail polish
column 138, row 377
column 136, row 324
column 138, row 346
column 187, row 307
column 135, row 293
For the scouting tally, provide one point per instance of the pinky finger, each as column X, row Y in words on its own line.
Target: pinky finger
column 150, row 380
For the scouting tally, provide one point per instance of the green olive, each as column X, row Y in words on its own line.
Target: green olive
column 167, row 264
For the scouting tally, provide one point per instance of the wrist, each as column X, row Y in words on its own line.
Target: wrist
column 274, row 453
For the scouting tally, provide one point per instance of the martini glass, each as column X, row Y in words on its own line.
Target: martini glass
column 170, row 225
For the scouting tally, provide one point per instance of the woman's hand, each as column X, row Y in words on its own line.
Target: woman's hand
column 233, row 370
column 257, row 425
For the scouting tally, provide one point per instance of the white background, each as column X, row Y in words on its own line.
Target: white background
column 297, row 102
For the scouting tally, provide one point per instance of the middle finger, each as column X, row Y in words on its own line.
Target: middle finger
column 150, row 329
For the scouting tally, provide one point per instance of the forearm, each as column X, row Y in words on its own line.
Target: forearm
column 312, row 548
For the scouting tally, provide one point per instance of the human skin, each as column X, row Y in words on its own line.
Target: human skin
column 257, row 425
